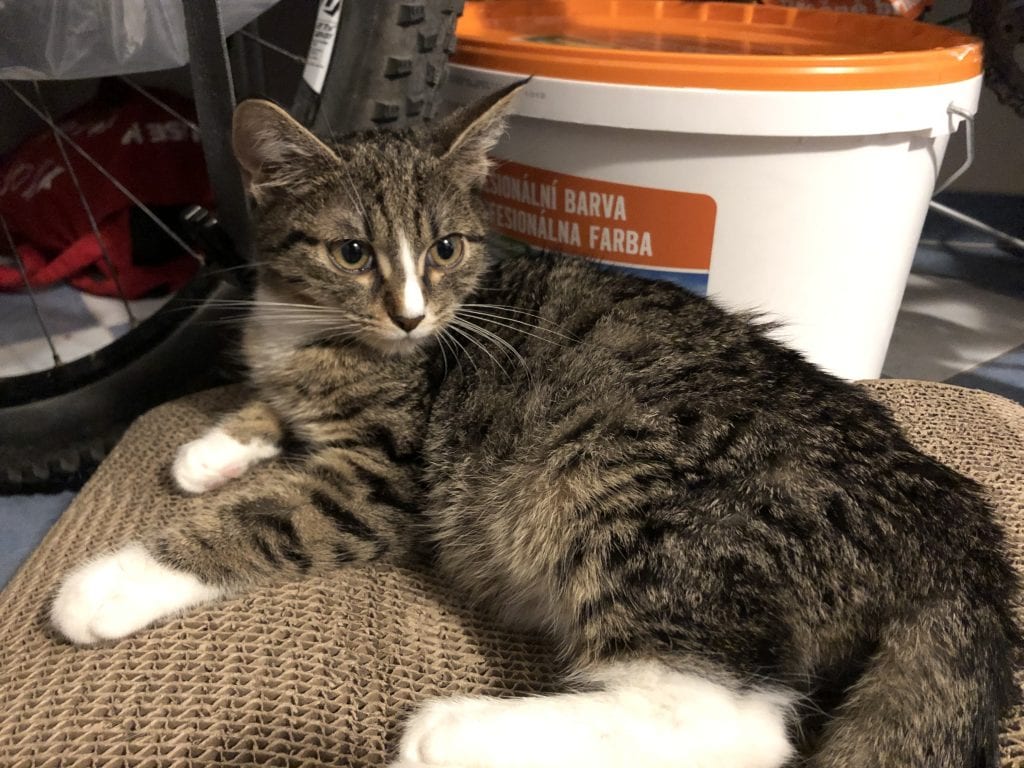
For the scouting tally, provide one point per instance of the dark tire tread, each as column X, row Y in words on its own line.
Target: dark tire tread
column 1001, row 27
column 56, row 438
column 394, row 54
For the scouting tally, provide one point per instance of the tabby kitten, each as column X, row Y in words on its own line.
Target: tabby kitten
column 741, row 555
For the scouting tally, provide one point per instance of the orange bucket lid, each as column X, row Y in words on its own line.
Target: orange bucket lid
column 711, row 45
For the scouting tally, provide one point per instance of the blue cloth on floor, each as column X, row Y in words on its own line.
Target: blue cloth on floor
column 24, row 520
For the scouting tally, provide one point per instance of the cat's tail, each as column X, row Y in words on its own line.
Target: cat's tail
column 932, row 694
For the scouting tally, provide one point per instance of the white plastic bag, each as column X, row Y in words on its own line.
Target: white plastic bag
column 72, row 39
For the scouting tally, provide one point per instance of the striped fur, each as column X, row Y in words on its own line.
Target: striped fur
column 616, row 462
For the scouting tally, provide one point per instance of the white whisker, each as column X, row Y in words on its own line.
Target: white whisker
column 509, row 350
column 518, row 326
column 470, row 337
column 516, row 310
column 470, row 331
column 262, row 303
column 443, row 347
column 343, row 335
column 456, row 343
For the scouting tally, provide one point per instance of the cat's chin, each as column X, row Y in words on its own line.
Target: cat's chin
column 394, row 346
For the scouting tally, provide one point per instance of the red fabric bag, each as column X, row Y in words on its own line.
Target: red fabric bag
column 156, row 156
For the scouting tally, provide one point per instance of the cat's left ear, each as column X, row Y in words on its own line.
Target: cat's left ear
column 466, row 136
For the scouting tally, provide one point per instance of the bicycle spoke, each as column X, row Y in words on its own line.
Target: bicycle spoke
column 1002, row 238
column 159, row 102
column 29, row 291
column 106, row 174
column 270, row 46
column 88, row 209
column 287, row 54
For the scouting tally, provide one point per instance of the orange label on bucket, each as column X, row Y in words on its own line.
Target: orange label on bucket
column 653, row 229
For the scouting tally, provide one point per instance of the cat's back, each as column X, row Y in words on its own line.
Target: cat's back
column 641, row 358
column 647, row 401
column 575, row 334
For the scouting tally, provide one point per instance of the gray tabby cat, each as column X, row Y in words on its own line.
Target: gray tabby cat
column 741, row 555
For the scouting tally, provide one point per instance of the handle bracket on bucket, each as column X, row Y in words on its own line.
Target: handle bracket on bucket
column 1002, row 238
column 968, row 118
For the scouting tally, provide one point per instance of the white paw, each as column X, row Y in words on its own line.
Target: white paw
column 215, row 458
column 121, row 593
column 446, row 732
column 646, row 715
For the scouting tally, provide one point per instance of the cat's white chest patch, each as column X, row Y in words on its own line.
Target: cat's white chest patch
column 277, row 333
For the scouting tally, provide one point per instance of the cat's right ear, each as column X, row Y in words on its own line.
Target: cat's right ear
column 273, row 150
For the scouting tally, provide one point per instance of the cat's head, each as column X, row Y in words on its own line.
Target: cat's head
column 376, row 238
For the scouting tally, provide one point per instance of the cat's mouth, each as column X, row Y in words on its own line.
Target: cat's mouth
column 395, row 341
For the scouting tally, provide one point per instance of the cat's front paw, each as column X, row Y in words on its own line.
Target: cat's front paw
column 121, row 593
column 216, row 457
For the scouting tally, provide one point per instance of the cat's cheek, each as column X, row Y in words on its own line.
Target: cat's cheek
column 215, row 458
column 119, row 594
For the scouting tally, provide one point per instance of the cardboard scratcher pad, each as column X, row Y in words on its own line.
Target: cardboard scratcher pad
column 320, row 673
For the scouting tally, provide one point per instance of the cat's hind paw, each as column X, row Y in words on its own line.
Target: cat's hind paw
column 644, row 714
column 452, row 733
column 119, row 594
column 211, row 460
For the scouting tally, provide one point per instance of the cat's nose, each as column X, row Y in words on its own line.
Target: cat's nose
column 406, row 323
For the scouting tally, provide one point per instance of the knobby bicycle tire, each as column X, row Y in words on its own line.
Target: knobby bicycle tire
column 393, row 58
column 1000, row 23
column 57, row 425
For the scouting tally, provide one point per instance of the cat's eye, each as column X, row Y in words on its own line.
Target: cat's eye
column 352, row 255
column 447, row 251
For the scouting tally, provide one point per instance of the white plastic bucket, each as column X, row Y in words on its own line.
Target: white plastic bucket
column 802, row 205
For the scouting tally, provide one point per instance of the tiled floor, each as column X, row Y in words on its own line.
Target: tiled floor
column 78, row 323
column 961, row 321
column 962, row 316
column 24, row 520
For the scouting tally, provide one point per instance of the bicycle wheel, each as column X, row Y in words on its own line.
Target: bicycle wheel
column 376, row 64
column 1000, row 23
column 373, row 64
column 56, row 425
